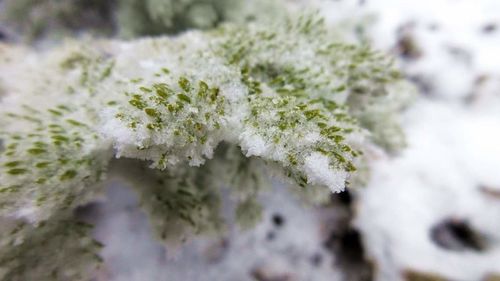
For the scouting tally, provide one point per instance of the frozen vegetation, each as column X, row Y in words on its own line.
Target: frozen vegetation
column 196, row 156
column 199, row 112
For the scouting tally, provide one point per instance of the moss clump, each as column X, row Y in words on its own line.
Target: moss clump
column 196, row 113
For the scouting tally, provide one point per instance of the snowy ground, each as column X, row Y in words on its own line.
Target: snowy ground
column 436, row 208
column 286, row 245
column 430, row 213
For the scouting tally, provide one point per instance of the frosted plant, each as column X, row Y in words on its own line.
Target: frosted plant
column 140, row 17
column 194, row 114
column 36, row 19
column 39, row 18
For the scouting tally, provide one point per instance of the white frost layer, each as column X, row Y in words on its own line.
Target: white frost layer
column 253, row 144
column 318, row 170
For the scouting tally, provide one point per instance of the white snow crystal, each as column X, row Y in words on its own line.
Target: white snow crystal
column 318, row 171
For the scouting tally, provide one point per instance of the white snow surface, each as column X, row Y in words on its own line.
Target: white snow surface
column 285, row 251
column 452, row 36
column 318, row 171
column 453, row 155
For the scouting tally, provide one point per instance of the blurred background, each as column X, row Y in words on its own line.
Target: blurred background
column 431, row 212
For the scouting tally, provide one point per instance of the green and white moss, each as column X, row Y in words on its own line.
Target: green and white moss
column 54, row 19
column 289, row 96
column 185, row 201
column 153, row 17
column 36, row 19
column 57, row 249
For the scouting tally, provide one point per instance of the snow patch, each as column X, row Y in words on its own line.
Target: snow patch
column 318, row 170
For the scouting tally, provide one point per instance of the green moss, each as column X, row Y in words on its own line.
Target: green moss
column 151, row 112
column 138, row 103
column 10, row 189
column 12, row 164
column 17, row 171
column 203, row 89
column 184, row 84
column 146, row 90
column 55, row 112
column 74, row 60
column 36, row 151
column 41, row 180
column 214, row 94
column 69, row 174
column 60, row 138
column 184, row 98
column 42, row 165
column 75, row 123
column 107, row 71
column 174, row 118
column 162, row 90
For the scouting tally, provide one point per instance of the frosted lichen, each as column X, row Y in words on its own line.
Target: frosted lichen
column 288, row 96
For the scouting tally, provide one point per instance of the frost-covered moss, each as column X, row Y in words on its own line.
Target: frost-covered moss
column 286, row 98
column 58, row 249
column 185, row 201
column 150, row 17
column 56, row 151
column 34, row 19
